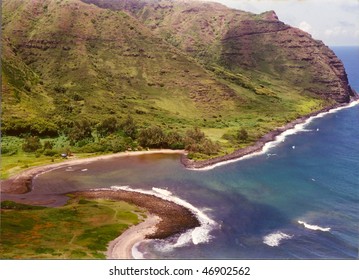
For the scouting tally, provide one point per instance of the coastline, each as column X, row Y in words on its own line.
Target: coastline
column 259, row 145
column 121, row 247
column 165, row 219
column 21, row 183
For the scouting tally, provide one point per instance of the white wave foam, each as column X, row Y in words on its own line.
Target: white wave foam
column 198, row 235
column 279, row 138
column 162, row 191
column 274, row 239
column 84, row 170
column 136, row 253
column 313, row 227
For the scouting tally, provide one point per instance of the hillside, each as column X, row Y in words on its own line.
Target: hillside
column 109, row 75
column 79, row 61
column 243, row 42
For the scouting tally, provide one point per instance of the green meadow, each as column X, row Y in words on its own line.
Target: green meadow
column 79, row 230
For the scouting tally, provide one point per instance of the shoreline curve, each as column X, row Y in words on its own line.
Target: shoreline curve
column 22, row 182
column 258, row 146
column 121, row 247
column 166, row 218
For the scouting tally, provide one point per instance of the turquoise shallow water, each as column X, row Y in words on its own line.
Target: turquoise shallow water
column 299, row 200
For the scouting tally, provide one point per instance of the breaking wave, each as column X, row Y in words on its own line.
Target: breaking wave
column 198, row 235
column 313, row 227
column 281, row 137
column 274, row 239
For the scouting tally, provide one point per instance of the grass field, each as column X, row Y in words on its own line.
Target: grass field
column 79, row 230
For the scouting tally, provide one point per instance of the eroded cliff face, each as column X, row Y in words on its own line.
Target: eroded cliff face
column 268, row 45
column 242, row 41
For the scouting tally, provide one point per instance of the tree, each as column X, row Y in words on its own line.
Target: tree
column 174, row 140
column 107, row 126
column 152, row 137
column 129, row 127
column 80, row 131
column 195, row 134
column 31, row 144
column 242, row 135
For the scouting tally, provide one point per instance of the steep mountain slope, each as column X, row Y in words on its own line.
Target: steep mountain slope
column 91, row 63
column 175, row 65
column 242, row 41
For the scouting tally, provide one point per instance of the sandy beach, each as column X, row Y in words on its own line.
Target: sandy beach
column 165, row 218
column 121, row 247
column 21, row 183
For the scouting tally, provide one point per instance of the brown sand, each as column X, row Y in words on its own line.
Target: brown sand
column 166, row 219
column 174, row 218
column 121, row 247
column 21, row 183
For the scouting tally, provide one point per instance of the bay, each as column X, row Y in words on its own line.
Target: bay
column 300, row 200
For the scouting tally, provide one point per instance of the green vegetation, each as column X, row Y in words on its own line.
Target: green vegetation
column 79, row 79
column 79, row 230
column 31, row 144
column 101, row 81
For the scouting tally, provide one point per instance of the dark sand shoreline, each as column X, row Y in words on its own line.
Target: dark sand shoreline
column 165, row 218
column 21, row 183
column 259, row 144
column 173, row 218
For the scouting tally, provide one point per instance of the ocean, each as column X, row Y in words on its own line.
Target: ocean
column 298, row 200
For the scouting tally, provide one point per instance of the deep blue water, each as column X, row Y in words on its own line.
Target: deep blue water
column 256, row 203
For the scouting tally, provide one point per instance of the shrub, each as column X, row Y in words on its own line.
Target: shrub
column 31, row 144
column 59, row 89
column 118, row 146
column 242, row 135
column 107, row 126
column 48, row 145
column 175, row 140
column 93, row 148
column 152, row 137
column 49, row 152
column 129, row 127
column 38, row 153
column 195, row 135
column 8, row 147
column 80, row 131
column 196, row 142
